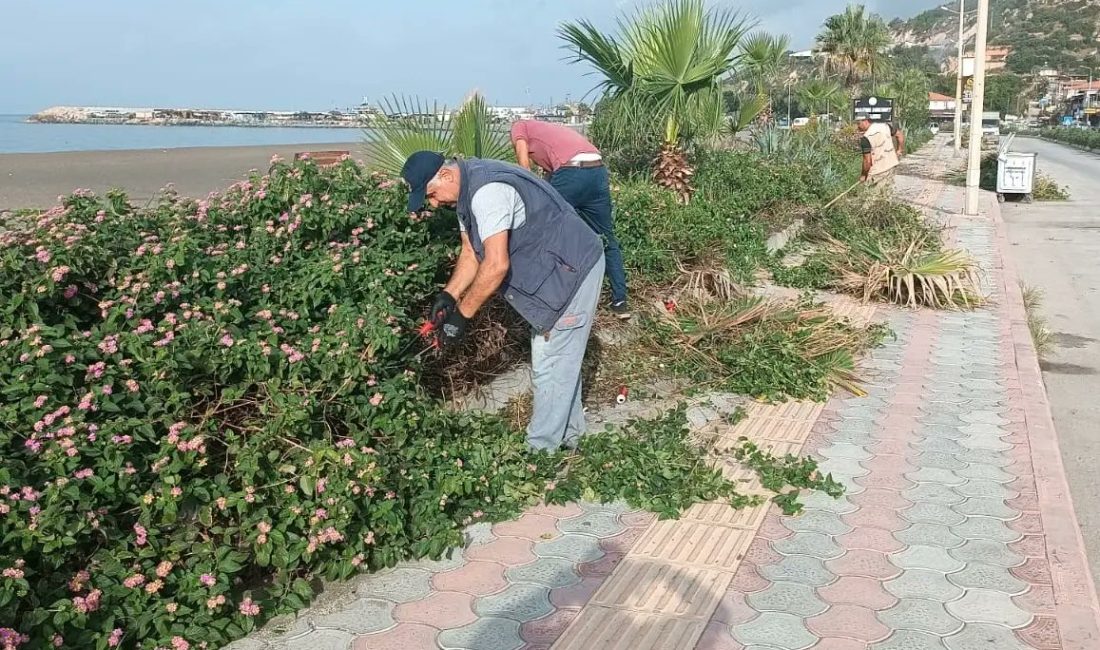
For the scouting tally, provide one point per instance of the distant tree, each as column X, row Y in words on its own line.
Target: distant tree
column 916, row 57
column 1002, row 92
column 909, row 88
column 855, row 44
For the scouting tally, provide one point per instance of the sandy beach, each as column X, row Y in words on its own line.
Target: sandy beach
column 34, row 180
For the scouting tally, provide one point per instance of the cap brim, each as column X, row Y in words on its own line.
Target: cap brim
column 417, row 196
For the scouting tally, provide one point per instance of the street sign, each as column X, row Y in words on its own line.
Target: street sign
column 968, row 90
column 876, row 109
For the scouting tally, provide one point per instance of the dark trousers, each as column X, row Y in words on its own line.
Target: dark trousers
column 588, row 190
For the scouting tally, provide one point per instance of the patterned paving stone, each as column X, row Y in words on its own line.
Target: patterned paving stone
column 933, row 493
column 799, row 568
column 475, row 578
column 530, row 526
column 985, row 417
column 875, row 517
column 788, row 597
column 944, row 419
column 479, row 533
column 519, row 602
column 542, row 633
column 927, row 557
column 848, row 621
column 843, row 467
column 881, row 498
column 920, row 616
column 987, row 606
column 920, row 583
column 937, row 459
column 985, row 637
column 774, row 629
column 483, row 634
column 505, row 550
column 986, row 472
column 984, row 576
column 402, row 637
column 548, row 572
column 598, row 523
column 812, row 544
column 929, row 535
column 845, row 450
column 987, row 456
column 578, row 548
column 395, row 585
column 987, row 528
column 984, row 444
column 821, row 501
column 818, row 521
column 987, row 552
column 1041, row 633
column 618, row 507
column 362, row 616
column 859, row 591
column 910, row 640
column 871, row 539
column 978, row 506
column 321, row 640
column 861, row 563
column 936, row 475
column 939, row 445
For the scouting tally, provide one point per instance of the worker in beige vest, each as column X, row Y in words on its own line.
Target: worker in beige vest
column 882, row 145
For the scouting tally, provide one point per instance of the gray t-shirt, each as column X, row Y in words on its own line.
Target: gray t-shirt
column 497, row 207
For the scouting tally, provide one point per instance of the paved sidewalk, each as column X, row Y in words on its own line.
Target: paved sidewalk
column 956, row 532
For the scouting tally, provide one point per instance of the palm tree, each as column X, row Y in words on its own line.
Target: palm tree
column 854, row 44
column 411, row 125
column 671, row 55
column 763, row 67
column 909, row 88
column 820, row 96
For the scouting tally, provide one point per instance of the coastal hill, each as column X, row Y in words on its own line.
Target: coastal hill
column 1059, row 34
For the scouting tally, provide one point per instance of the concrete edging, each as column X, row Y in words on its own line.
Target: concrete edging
column 1076, row 602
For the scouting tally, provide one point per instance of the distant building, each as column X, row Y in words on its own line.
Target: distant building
column 996, row 58
column 941, row 107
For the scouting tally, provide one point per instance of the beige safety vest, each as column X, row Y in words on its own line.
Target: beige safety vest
column 883, row 156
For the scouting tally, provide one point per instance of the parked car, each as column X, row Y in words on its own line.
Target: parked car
column 800, row 122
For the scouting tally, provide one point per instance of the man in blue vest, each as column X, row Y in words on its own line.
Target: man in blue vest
column 519, row 238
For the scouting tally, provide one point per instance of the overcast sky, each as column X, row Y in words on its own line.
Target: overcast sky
column 319, row 54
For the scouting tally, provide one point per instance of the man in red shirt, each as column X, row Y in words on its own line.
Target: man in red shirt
column 576, row 170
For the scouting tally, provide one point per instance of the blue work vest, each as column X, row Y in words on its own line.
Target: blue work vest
column 551, row 253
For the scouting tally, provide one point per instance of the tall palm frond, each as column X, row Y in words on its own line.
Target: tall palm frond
column 854, row 44
column 751, row 107
column 412, row 125
column 820, row 96
column 602, row 52
column 764, row 59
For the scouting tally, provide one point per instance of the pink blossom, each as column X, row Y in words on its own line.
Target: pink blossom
column 13, row 573
column 79, row 580
column 71, row 291
column 208, row 580
column 154, row 586
column 33, row 445
column 227, row 341
column 179, row 643
column 83, row 473
column 141, row 534
column 322, row 484
column 176, row 491
column 42, row 255
column 133, row 581
column 107, row 389
column 115, row 638
column 221, row 502
column 376, row 400
column 58, row 274
column 131, row 385
column 163, row 569
column 58, row 640
column 215, row 602
column 171, row 608
column 69, row 359
column 97, row 369
column 249, row 608
column 40, row 401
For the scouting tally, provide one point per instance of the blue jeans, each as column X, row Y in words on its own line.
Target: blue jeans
column 588, row 190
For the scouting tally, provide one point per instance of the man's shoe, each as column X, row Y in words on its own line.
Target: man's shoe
column 621, row 310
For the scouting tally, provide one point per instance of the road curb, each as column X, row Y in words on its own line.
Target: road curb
column 1076, row 604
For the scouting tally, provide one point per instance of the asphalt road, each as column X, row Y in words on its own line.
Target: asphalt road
column 1056, row 248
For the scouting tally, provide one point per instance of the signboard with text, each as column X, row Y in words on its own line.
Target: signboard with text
column 876, row 109
column 968, row 90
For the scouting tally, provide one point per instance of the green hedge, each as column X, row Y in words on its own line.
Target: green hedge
column 1084, row 138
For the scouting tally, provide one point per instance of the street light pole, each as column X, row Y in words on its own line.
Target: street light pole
column 959, row 80
column 973, row 168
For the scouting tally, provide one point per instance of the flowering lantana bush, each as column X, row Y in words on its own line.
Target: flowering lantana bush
column 208, row 404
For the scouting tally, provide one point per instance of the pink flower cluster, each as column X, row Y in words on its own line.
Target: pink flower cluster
column 134, row 581
column 248, row 607
column 89, row 603
column 141, row 536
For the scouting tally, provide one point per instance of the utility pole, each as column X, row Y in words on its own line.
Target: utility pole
column 973, row 168
column 959, row 80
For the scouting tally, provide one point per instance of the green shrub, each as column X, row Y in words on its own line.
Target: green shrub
column 1085, row 138
column 210, row 405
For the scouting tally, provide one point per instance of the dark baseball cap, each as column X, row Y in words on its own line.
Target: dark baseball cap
column 420, row 168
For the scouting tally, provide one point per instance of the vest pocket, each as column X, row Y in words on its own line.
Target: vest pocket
column 529, row 277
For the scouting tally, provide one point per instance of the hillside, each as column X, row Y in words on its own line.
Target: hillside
column 1064, row 34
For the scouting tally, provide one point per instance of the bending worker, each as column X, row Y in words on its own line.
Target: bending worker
column 576, row 170
column 882, row 145
column 521, row 238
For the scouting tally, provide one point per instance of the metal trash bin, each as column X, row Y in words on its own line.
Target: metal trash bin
column 1015, row 174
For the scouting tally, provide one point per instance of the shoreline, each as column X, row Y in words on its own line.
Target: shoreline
column 35, row 180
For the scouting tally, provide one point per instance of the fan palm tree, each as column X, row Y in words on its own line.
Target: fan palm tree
column 410, row 125
column 854, row 44
column 909, row 88
column 671, row 55
column 820, row 96
column 764, row 67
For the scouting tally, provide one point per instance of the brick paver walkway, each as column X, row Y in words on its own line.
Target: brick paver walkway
column 956, row 532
